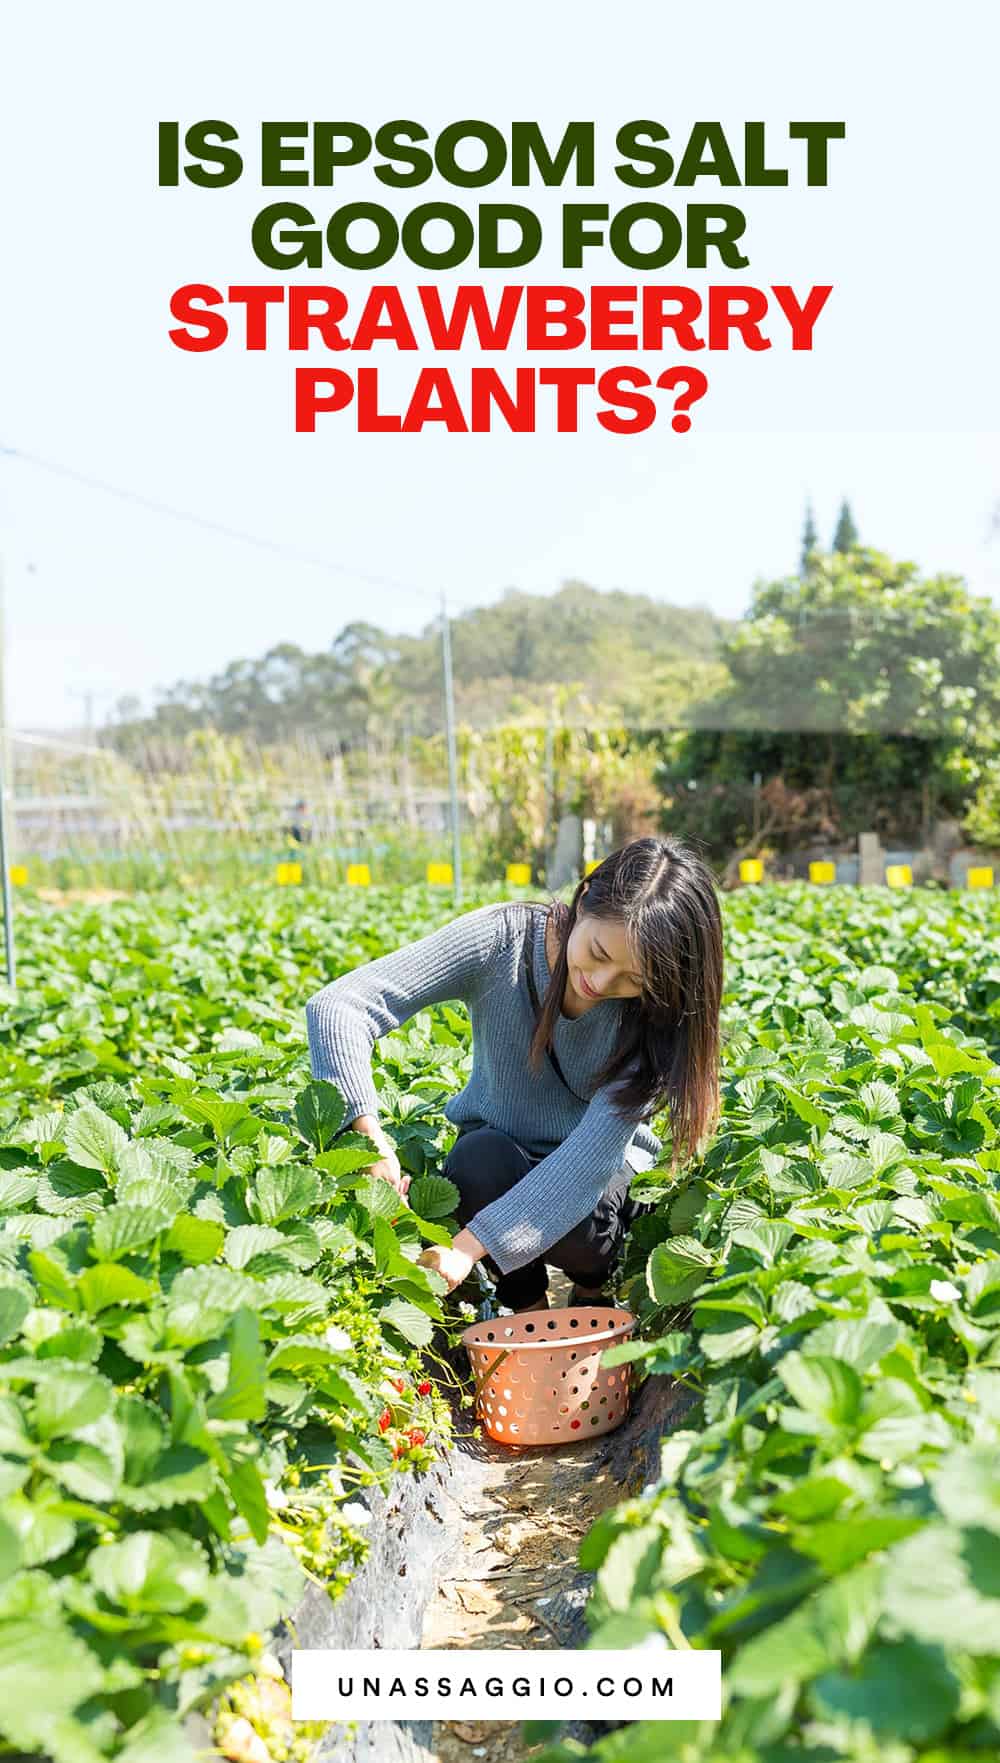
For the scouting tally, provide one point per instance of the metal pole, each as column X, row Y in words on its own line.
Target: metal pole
column 88, row 714
column 8, row 903
column 550, row 800
column 449, row 723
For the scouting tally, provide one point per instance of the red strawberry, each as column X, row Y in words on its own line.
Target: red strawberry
column 385, row 1419
column 423, row 1389
column 398, row 1384
column 399, row 1449
column 416, row 1436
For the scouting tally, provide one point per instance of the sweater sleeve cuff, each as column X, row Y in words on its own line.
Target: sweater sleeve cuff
column 501, row 1248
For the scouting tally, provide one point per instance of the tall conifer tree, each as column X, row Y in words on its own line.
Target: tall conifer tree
column 809, row 540
column 846, row 535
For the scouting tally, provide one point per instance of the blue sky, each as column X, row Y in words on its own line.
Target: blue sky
column 896, row 407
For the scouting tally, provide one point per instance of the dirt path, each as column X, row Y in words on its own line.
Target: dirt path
column 516, row 1582
column 480, row 1552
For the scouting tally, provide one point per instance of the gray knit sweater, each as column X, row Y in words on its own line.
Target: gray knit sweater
column 477, row 959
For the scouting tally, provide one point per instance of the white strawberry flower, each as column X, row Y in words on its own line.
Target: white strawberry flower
column 944, row 1291
column 355, row 1512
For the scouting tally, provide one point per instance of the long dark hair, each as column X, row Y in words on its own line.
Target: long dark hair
column 667, row 1054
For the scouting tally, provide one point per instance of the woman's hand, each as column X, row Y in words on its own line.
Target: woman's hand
column 454, row 1261
column 452, row 1264
column 388, row 1165
column 388, row 1168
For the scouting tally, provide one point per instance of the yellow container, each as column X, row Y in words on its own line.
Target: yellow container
column 979, row 878
column 358, row 875
column 592, row 865
column 538, row 1376
column 439, row 873
column 519, row 874
column 288, row 875
column 899, row 875
column 751, row 869
column 822, row 872
column 18, row 875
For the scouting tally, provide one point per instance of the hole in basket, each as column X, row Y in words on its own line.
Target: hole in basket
column 603, row 1400
column 507, row 1393
column 564, row 1409
column 502, row 1410
column 529, row 1328
column 584, row 1404
column 552, row 1324
column 611, row 1379
column 508, row 1332
column 574, row 1423
column 499, row 1426
column 572, row 1355
column 490, row 1336
column 514, row 1426
column 574, row 1322
column 595, row 1322
column 576, row 1389
column 594, row 1418
column 554, row 1394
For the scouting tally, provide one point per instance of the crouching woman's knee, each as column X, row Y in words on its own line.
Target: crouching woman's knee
column 589, row 1252
column 483, row 1164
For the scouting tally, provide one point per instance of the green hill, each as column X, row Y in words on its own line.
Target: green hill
column 623, row 656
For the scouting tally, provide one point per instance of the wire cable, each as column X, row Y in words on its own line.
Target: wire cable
column 276, row 546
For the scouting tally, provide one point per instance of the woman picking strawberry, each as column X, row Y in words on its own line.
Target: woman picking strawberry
column 587, row 1020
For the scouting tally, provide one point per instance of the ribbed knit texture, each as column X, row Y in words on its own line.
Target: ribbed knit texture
column 477, row 959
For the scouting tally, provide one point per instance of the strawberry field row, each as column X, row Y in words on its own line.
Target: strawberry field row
column 828, row 1281
column 212, row 1332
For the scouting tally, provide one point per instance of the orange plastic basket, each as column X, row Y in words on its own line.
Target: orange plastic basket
column 538, row 1376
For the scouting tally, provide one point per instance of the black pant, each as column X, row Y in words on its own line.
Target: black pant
column 483, row 1163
